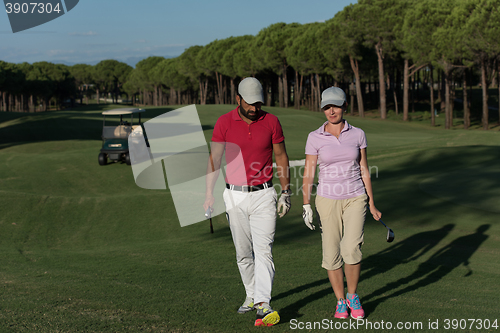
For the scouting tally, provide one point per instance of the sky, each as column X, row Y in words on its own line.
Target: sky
column 132, row 30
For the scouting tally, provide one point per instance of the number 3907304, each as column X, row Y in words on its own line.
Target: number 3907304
column 32, row 7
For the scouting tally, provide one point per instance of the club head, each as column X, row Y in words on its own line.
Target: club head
column 390, row 235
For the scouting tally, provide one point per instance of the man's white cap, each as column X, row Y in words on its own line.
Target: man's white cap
column 332, row 95
column 251, row 90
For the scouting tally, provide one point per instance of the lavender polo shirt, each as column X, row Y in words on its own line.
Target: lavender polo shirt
column 338, row 159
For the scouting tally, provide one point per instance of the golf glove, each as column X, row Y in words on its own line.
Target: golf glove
column 307, row 215
column 284, row 204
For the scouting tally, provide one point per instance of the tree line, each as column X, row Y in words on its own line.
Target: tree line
column 379, row 51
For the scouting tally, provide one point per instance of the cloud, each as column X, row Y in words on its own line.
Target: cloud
column 80, row 34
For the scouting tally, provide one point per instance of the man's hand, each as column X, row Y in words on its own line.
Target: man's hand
column 284, row 203
column 209, row 202
column 307, row 215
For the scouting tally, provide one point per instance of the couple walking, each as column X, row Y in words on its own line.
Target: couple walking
column 248, row 137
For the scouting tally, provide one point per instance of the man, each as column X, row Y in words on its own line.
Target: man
column 248, row 136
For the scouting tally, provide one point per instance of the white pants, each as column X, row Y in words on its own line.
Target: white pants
column 252, row 220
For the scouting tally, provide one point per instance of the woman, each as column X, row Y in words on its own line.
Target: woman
column 342, row 195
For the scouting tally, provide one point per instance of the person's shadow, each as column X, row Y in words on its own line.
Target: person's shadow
column 406, row 250
column 434, row 269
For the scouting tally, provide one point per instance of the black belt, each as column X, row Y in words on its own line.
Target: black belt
column 248, row 188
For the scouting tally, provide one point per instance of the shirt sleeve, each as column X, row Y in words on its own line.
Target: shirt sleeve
column 362, row 140
column 278, row 132
column 310, row 147
column 219, row 133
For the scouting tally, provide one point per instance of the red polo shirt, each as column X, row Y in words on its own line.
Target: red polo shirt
column 249, row 147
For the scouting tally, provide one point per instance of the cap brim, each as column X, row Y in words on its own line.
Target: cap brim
column 251, row 99
column 336, row 102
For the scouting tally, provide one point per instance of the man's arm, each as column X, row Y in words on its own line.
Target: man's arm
column 213, row 167
column 282, row 164
column 283, row 168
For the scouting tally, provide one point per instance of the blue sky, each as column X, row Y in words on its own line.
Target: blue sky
column 132, row 30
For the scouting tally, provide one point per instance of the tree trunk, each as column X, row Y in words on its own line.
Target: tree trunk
column 442, row 93
column 296, row 93
column 359, row 93
column 448, row 123
column 392, row 86
column 203, row 92
column 285, row 86
column 233, row 98
column 280, row 91
column 406, row 79
column 380, row 57
column 218, row 96
column 351, row 92
column 433, row 113
column 484, row 86
column 412, row 93
column 318, row 92
column 465, row 102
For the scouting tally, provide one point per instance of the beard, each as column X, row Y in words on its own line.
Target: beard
column 252, row 116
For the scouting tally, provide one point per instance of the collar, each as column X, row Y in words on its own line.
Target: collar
column 321, row 130
column 236, row 116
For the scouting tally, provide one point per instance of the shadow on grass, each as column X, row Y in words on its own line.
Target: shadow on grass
column 398, row 189
column 402, row 252
column 291, row 311
column 431, row 271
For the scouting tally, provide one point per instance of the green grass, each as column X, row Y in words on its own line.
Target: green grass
column 83, row 249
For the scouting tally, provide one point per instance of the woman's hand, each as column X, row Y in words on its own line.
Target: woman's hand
column 377, row 215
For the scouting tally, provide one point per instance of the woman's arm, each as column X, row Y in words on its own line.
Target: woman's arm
column 307, row 180
column 365, row 176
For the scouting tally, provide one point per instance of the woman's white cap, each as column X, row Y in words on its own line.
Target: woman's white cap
column 334, row 96
column 251, row 90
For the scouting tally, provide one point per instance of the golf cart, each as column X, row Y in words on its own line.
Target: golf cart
column 115, row 138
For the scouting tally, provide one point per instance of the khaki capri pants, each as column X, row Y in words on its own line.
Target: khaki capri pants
column 342, row 230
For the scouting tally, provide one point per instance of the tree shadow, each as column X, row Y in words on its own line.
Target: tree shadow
column 433, row 270
column 72, row 125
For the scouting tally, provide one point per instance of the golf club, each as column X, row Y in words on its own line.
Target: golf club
column 390, row 233
column 208, row 215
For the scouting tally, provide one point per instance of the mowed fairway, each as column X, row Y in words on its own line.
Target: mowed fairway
column 83, row 249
